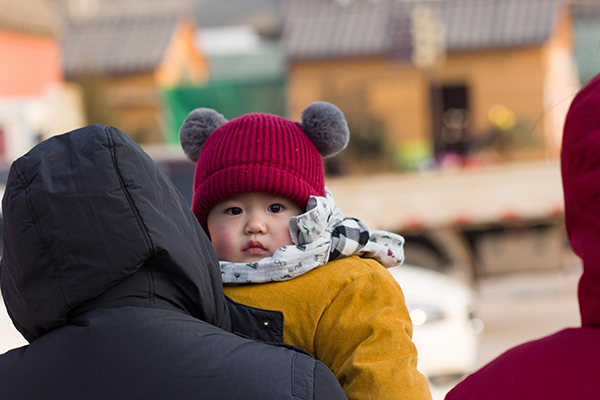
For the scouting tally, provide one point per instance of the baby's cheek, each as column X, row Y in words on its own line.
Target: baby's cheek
column 223, row 242
column 285, row 239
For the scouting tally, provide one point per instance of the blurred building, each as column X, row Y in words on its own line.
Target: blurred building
column 247, row 69
column 422, row 81
column 123, row 53
column 34, row 101
column 246, row 74
column 455, row 81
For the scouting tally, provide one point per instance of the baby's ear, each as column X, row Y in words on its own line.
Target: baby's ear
column 326, row 127
column 196, row 128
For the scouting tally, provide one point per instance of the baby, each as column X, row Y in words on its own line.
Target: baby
column 283, row 244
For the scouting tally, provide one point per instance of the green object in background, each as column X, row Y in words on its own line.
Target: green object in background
column 231, row 98
column 412, row 155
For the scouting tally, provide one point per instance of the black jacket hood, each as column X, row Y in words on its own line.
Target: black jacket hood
column 89, row 218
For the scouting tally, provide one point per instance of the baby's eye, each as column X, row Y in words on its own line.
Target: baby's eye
column 233, row 211
column 275, row 208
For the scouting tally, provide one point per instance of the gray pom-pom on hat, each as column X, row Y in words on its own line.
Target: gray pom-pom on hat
column 326, row 127
column 196, row 128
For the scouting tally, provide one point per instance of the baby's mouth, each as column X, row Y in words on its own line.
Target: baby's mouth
column 254, row 246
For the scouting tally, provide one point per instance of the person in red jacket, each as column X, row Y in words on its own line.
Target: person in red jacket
column 564, row 365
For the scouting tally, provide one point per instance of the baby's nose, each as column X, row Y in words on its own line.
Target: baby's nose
column 256, row 225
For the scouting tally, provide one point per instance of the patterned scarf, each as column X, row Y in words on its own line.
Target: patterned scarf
column 320, row 235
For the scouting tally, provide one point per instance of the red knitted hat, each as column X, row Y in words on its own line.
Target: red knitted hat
column 261, row 153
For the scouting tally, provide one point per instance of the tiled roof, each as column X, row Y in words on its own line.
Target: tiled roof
column 117, row 45
column 317, row 29
column 480, row 24
column 324, row 29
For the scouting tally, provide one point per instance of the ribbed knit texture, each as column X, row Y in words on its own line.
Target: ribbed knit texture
column 257, row 153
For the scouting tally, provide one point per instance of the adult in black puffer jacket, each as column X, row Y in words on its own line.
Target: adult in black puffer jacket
column 103, row 275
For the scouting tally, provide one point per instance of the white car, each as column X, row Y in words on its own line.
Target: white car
column 446, row 333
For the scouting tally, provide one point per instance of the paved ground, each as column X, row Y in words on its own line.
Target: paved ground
column 522, row 307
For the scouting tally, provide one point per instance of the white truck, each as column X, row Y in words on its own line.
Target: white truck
column 468, row 222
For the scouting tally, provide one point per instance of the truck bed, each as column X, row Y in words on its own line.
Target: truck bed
column 492, row 194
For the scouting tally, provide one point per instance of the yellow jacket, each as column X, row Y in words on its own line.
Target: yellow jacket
column 351, row 315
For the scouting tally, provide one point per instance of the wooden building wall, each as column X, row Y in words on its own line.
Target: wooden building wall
column 524, row 81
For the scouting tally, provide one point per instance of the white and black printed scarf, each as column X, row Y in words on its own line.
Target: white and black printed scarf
column 320, row 235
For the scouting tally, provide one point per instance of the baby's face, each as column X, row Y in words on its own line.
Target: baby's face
column 250, row 226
